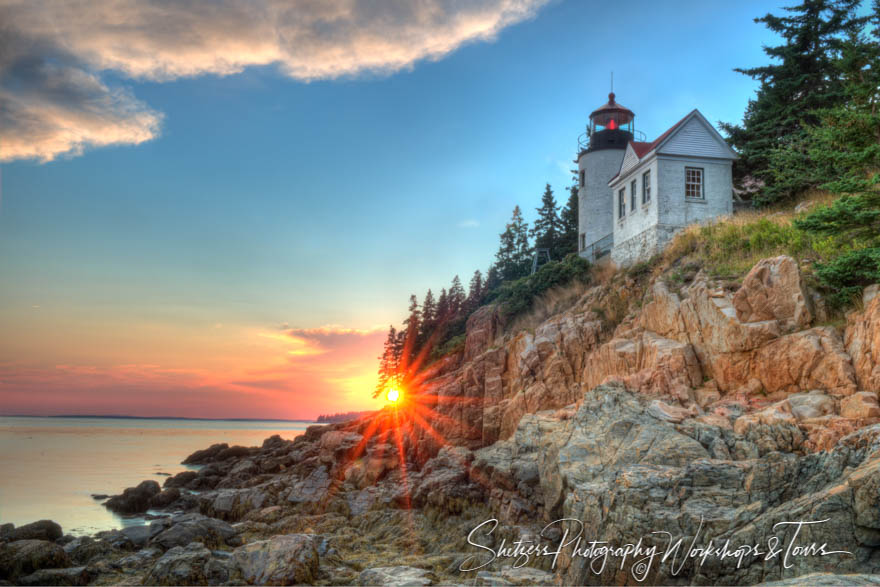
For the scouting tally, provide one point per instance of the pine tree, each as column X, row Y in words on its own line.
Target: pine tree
column 429, row 310
column 493, row 279
column 524, row 249
column 547, row 228
column 413, row 324
column 475, row 293
column 803, row 80
column 569, row 220
column 506, row 255
column 514, row 256
column 442, row 308
column 456, row 297
column 388, row 363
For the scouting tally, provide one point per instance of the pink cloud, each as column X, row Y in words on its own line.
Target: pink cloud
column 337, row 373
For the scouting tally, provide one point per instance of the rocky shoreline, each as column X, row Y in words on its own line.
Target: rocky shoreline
column 711, row 411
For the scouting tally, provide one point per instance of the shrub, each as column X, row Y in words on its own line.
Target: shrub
column 517, row 297
column 846, row 275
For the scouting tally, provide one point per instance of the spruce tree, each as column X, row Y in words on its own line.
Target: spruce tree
column 524, row 249
column 387, row 363
column 442, row 308
column 456, row 297
column 429, row 309
column 413, row 324
column 475, row 293
column 547, row 229
column 569, row 220
column 803, row 79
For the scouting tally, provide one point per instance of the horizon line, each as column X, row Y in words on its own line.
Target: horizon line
column 127, row 417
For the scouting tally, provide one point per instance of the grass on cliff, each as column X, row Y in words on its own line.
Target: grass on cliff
column 728, row 248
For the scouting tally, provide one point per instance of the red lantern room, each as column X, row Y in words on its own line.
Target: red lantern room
column 611, row 126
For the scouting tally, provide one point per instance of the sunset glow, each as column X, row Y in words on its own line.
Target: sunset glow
column 392, row 395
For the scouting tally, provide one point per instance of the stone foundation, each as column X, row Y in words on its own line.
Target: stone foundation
column 643, row 246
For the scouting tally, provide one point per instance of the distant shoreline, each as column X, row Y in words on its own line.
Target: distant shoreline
column 111, row 417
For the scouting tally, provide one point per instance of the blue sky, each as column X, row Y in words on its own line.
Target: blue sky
column 263, row 199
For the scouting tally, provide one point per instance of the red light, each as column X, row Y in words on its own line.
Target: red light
column 611, row 124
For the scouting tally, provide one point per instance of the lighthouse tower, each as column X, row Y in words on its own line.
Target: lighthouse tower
column 600, row 153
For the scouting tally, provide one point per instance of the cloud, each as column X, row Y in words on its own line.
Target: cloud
column 470, row 223
column 52, row 54
column 297, row 373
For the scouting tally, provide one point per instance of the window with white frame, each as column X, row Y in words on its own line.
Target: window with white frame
column 621, row 203
column 646, row 187
column 632, row 195
column 693, row 182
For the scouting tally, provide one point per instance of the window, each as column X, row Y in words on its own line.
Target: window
column 632, row 195
column 646, row 187
column 693, row 182
column 621, row 203
column 583, row 240
column 583, row 178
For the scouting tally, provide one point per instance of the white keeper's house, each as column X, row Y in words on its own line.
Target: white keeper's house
column 634, row 195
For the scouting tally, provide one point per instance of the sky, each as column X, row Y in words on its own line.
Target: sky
column 216, row 209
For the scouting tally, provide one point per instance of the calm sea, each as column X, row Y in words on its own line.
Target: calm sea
column 50, row 467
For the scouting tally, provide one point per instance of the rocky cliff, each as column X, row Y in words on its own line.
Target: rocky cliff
column 734, row 420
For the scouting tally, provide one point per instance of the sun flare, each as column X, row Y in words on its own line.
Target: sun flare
column 392, row 395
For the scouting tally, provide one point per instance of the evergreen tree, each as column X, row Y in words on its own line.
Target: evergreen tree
column 547, row 229
column 493, row 278
column 388, row 363
column 803, row 79
column 429, row 309
column 505, row 257
column 569, row 221
column 475, row 293
column 524, row 249
column 456, row 297
column 442, row 308
column 514, row 256
column 413, row 324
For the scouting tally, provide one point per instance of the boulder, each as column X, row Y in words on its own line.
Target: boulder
column 137, row 535
column 206, row 455
column 188, row 528
column 861, row 405
column 515, row 576
column 189, row 565
column 70, row 576
column 85, row 549
column 134, row 500
column 398, row 576
column 42, row 530
column 286, row 559
column 862, row 340
column 24, row 557
column 165, row 498
column 774, row 290
column 806, row 360
column 182, row 479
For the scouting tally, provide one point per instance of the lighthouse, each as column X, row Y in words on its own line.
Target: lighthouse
column 600, row 153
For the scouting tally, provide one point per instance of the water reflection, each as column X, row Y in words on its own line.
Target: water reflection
column 51, row 467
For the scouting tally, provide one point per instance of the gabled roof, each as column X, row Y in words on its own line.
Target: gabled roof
column 643, row 149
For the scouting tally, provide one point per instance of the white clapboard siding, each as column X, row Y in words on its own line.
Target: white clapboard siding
column 630, row 160
column 696, row 140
